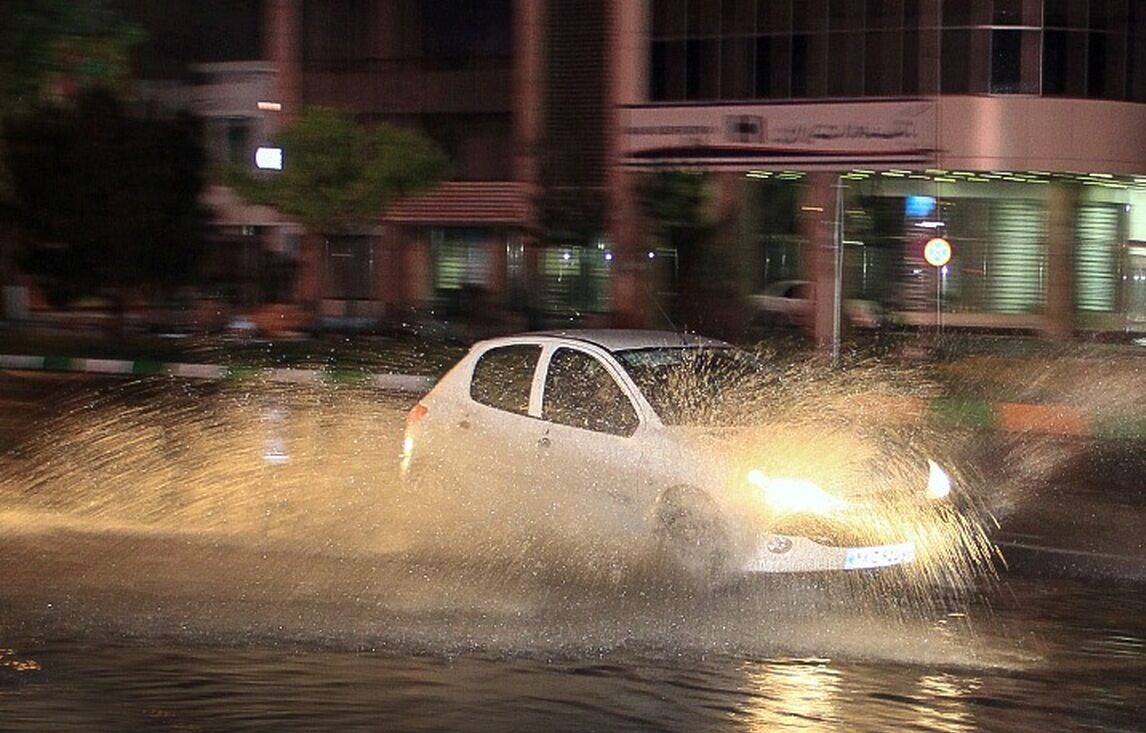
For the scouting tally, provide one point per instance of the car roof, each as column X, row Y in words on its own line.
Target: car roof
column 623, row 339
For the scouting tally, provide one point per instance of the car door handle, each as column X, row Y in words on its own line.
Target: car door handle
column 543, row 441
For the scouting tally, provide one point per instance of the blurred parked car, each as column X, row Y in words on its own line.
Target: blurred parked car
column 790, row 303
column 651, row 434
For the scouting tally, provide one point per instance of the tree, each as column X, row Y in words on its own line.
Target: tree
column 107, row 201
column 337, row 174
column 54, row 48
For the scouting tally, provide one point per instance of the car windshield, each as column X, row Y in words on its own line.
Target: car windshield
column 690, row 385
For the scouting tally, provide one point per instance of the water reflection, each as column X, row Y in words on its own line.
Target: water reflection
column 795, row 695
column 10, row 660
column 942, row 704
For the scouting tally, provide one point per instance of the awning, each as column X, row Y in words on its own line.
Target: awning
column 465, row 203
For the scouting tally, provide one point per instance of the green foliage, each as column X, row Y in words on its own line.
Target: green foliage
column 673, row 203
column 106, row 200
column 55, row 46
column 337, row 173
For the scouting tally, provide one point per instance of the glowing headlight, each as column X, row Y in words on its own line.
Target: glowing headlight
column 787, row 495
column 938, row 482
column 407, row 453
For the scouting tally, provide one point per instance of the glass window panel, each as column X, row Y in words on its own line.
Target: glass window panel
column 775, row 16
column 1008, row 12
column 1064, row 63
column 736, row 68
column 1064, row 14
column 503, row 377
column 1106, row 66
column 810, row 15
column 703, row 64
column 884, row 14
column 910, row 80
column 668, row 83
column 911, row 13
column 956, row 13
column 1108, row 14
column 580, row 392
column 738, row 17
column 773, row 67
column 980, row 61
column 1006, row 61
column 956, row 64
column 669, row 18
column 1136, row 71
column 883, row 67
column 703, row 18
column 800, row 52
column 845, row 15
column 846, row 59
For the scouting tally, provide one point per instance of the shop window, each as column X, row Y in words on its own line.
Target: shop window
column 1095, row 257
column 461, row 259
column 577, row 278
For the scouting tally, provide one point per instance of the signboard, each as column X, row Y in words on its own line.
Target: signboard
column 937, row 252
column 780, row 135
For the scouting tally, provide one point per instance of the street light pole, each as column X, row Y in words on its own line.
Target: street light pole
column 838, row 274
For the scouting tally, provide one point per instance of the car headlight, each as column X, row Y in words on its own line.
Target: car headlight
column 788, row 495
column 938, row 482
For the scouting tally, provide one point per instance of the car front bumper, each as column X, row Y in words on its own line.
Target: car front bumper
column 793, row 554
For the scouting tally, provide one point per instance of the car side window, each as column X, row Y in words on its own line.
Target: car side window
column 503, row 377
column 580, row 392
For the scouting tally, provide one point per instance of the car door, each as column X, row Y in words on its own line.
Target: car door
column 496, row 442
column 590, row 439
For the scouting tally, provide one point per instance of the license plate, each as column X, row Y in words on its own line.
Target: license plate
column 880, row 556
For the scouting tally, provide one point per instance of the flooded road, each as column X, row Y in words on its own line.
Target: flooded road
column 204, row 557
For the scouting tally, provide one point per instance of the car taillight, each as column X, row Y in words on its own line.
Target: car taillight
column 416, row 413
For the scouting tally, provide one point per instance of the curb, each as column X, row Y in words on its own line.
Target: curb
column 394, row 382
column 1044, row 419
column 1006, row 417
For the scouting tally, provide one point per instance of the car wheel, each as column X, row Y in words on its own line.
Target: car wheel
column 690, row 534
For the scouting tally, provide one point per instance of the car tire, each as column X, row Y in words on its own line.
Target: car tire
column 690, row 534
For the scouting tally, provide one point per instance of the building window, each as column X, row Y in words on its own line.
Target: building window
column 461, row 259
column 349, row 267
column 809, row 49
column 1014, row 62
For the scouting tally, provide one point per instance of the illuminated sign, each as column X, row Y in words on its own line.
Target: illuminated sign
column 937, row 252
column 269, row 158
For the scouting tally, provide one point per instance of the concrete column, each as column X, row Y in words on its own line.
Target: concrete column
column 632, row 282
column 1062, row 211
column 632, row 269
column 818, row 217
column 729, row 277
column 280, row 46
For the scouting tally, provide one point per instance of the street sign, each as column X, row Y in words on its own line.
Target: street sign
column 937, row 252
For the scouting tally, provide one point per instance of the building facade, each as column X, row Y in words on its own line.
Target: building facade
column 831, row 138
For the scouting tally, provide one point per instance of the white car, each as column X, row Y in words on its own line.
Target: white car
column 790, row 303
column 644, row 432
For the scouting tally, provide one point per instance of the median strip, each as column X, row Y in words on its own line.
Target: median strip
column 287, row 375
